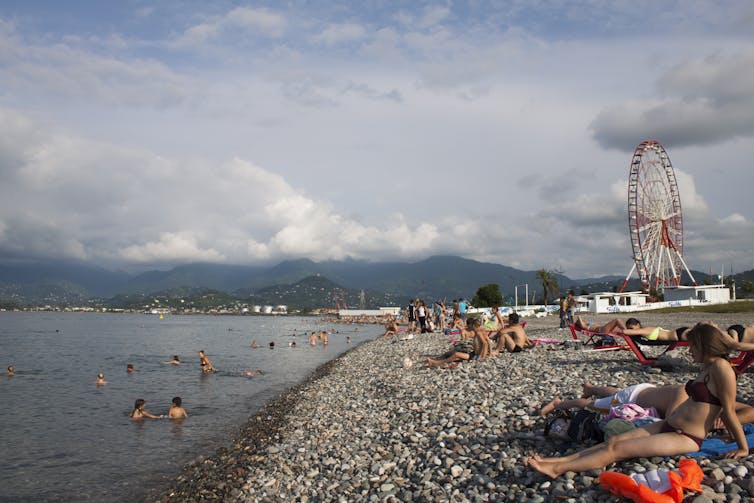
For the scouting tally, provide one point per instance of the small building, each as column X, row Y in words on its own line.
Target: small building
column 613, row 302
column 714, row 294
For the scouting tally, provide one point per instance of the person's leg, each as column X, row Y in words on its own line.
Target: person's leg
column 613, row 325
column 452, row 357
column 641, row 442
column 580, row 323
column 589, row 389
column 557, row 403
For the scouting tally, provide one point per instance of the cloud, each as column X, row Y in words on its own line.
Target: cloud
column 702, row 102
column 340, row 33
column 171, row 248
column 253, row 22
column 65, row 70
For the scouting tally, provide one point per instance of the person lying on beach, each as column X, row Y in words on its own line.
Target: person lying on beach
column 10, row 372
column 176, row 411
column 513, row 338
column 140, row 413
column 205, row 363
column 611, row 327
column 175, row 360
column 100, row 379
column 664, row 399
column 634, row 329
column 475, row 347
column 711, row 393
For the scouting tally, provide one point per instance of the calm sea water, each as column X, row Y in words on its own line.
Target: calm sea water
column 64, row 438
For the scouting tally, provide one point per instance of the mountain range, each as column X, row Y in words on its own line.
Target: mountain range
column 436, row 277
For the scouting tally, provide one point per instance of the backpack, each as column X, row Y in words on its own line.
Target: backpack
column 585, row 427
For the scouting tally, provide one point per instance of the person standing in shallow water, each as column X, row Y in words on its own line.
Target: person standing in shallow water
column 712, row 394
column 205, row 363
column 140, row 413
column 176, row 411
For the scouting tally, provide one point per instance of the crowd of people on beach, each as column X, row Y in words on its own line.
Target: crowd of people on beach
column 654, row 420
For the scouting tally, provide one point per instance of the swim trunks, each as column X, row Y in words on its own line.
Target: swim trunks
column 626, row 395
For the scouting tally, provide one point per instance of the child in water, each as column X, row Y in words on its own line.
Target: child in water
column 100, row 379
column 140, row 413
column 10, row 372
column 176, row 411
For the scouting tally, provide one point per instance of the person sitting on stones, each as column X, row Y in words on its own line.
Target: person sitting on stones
column 513, row 338
column 473, row 344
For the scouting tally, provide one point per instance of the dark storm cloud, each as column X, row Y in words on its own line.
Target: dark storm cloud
column 702, row 102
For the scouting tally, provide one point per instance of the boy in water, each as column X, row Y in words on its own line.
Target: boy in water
column 176, row 411
column 100, row 379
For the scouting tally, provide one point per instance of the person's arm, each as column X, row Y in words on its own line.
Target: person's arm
column 642, row 332
column 735, row 345
column 150, row 416
column 725, row 379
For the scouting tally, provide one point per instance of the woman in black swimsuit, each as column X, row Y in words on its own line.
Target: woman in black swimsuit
column 712, row 393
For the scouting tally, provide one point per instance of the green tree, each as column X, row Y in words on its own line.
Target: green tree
column 549, row 283
column 488, row 296
column 747, row 287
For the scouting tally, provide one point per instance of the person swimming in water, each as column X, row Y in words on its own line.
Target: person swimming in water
column 174, row 361
column 129, row 368
column 100, row 379
column 251, row 373
column 11, row 371
column 254, row 344
column 140, row 413
column 176, row 411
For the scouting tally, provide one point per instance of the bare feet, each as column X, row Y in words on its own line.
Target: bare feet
column 550, row 406
column 542, row 466
column 587, row 390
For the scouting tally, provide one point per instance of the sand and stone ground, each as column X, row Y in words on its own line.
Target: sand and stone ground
column 365, row 428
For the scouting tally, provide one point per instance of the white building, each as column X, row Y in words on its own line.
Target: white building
column 714, row 294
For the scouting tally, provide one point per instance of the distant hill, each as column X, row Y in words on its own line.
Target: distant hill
column 436, row 277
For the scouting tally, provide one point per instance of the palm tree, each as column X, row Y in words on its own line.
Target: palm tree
column 549, row 282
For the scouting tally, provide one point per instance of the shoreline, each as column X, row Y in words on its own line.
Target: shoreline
column 363, row 427
column 218, row 476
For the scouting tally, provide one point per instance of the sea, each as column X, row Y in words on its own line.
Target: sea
column 64, row 438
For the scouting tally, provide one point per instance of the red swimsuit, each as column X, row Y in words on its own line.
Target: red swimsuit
column 698, row 391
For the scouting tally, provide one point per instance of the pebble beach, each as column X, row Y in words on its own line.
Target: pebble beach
column 366, row 427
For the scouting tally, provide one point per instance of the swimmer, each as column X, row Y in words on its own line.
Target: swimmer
column 10, row 372
column 174, row 361
column 251, row 373
column 140, row 413
column 254, row 344
column 129, row 368
column 348, row 340
column 176, row 411
column 292, row 344
column 205, row 363
column 272, row 345
column 100, row 379
column 313, row 339
column 324, row 338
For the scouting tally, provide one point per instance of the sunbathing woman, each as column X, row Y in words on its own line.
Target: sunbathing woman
column 634, row 328
column 712, row 393
column 611, row 327
column 476, row 346
column 513, row 337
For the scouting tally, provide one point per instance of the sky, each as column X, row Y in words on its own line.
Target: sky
column 138, row 135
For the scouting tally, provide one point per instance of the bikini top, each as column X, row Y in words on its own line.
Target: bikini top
column 699, row 392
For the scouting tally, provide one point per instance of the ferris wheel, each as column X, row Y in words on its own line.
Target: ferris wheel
column 655, row 220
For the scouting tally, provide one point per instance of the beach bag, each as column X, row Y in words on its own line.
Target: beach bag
column 585, row 427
